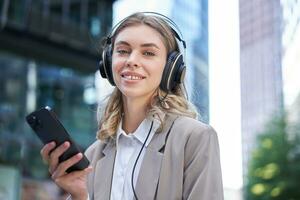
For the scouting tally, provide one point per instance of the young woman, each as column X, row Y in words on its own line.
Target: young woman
column 149, row 146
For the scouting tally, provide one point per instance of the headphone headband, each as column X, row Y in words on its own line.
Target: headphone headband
column 175, row 29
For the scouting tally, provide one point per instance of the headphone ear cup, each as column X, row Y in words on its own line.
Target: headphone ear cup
column 173, row 73
column 180, row 74
column 105, row 66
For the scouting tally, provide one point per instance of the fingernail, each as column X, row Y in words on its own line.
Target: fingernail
column 66, row 144
column 79, row 155
column 51, row 144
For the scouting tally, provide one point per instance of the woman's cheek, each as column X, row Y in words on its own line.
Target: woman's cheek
column 115, row 67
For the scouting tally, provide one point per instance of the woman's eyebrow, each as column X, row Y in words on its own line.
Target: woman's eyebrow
column 149, row 45
column 122, row 43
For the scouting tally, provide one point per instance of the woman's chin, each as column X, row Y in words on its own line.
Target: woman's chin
column 136, row 93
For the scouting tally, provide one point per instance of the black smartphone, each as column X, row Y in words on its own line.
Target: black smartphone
column 48, row 128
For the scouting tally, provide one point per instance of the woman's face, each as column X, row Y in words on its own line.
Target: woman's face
column 138, row 60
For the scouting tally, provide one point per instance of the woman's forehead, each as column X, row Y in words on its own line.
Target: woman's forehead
column 140, row 33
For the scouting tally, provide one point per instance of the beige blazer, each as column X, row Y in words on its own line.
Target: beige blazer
column 181, row 162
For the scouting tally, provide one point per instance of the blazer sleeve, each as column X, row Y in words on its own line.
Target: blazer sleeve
column 202, row 168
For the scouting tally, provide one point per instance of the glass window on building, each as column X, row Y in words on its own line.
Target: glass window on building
column 26, row 85
column 49, row 50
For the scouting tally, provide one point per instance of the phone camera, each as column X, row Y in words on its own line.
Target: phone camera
column 33, row 121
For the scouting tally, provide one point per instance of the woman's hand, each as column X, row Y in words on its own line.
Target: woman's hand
column 74, row 182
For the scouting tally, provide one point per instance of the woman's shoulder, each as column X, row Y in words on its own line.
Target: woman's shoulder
column 191, row 127
column 193, row 135
column 191, row 123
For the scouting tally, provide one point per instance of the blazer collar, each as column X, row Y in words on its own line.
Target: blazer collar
column 150, row 167
column 104, row 172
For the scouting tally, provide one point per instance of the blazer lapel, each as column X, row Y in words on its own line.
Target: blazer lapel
column 150, row 168
column 104, row 172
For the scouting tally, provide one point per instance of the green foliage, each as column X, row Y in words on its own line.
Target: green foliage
column 274, row 170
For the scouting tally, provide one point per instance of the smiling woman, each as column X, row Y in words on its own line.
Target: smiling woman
column 150, row 146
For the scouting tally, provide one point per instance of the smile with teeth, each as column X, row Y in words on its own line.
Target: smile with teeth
column 132, row 77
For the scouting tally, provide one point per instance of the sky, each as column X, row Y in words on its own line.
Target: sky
column 225, row 106
column 291, row 70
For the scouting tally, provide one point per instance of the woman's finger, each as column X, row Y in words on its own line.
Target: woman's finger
column 62, row 167
column 46, row 150
column 75, row 174
column 55, row 154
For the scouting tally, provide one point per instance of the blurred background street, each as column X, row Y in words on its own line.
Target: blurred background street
column 243, row 69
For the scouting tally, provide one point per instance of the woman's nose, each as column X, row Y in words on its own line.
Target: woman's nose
column 133, row 60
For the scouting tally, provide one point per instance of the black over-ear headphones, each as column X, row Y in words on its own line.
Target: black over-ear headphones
column 174, row 71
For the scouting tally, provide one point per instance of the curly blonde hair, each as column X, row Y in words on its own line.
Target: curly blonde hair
column 161, row 102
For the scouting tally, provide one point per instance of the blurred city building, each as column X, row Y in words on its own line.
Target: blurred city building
column 260, row 68
column 192, row 18
column 49, row 50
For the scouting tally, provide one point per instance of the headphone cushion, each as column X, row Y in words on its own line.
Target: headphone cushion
column 106, row 66
column 170, row 73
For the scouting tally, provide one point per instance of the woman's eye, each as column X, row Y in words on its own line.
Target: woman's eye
column 149, row 53
column 122, row 51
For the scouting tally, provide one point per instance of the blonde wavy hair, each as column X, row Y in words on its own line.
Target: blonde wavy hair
column 161, row 102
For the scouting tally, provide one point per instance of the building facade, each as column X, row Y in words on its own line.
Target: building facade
column 193, row 15
column 49, row 52
column 260, row 68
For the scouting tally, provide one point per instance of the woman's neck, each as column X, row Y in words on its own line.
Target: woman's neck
column 134, row 114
